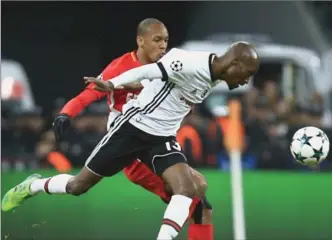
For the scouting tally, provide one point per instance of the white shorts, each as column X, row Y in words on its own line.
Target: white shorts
column 111, row 117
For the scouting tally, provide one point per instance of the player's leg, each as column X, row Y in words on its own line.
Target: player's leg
column 200, row 222
column 170, row 163
column 180, row 180
column 202, row 213
column 66, row 184
column 142, row 175
column 58, row 184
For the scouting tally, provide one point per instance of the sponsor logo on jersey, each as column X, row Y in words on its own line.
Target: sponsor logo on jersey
column 204, row 93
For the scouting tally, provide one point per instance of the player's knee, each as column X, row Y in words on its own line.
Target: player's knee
column 77, row 187
column 201, row 187
column 188, row 190
column 180, row 180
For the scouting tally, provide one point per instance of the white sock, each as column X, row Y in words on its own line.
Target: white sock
column 55, row 184
column 175, row 216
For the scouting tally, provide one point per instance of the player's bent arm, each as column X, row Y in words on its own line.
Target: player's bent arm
column 76, row 105
column 134, row 86
column 137, row 85
column 149, row 71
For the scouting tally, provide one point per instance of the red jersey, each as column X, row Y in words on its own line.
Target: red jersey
column 117, row 98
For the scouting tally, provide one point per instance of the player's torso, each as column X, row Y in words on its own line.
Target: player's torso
column 195, row 91
column 162, row 108
column 191, row 71
column 162, row 105
column 117, row 98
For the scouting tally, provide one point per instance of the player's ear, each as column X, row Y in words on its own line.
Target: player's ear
column 140, row 41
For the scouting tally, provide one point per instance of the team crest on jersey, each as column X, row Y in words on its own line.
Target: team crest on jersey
column 176, row 66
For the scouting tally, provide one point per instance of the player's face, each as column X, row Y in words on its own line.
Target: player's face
column 238, row 73
column 155, row 42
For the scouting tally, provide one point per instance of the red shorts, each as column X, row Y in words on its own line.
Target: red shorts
column 140, row 174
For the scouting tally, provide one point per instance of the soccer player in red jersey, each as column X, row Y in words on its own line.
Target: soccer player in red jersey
column 152, row 39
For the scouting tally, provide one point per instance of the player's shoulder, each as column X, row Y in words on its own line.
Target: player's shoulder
column 123, row 63
column 187, row 61
column 128, row 58
column 175, row 52
column 119, row 65
column 187, row 54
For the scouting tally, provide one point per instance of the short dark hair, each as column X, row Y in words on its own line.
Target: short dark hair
column 144, row 25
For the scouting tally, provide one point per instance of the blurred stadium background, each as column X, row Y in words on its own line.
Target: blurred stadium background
column 48, row 47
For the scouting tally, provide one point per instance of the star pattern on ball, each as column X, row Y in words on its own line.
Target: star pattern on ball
column 325, row 137
column 299, row 157
column 318, row 153
column 176, row 66
column 321, row 135
column 305, row 139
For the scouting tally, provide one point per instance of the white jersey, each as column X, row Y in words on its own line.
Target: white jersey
column 163, row 103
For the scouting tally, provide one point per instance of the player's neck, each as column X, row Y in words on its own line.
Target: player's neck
column 219, row 66
column 142, row 57
column 216, row 69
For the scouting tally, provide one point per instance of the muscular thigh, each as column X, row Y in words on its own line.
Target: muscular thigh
column 162, row 155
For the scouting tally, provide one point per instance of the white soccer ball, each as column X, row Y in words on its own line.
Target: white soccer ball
column 310, row 146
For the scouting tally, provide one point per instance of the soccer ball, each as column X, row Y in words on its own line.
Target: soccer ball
column 310, row 146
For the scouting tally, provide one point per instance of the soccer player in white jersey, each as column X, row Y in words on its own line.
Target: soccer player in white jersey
column 146, row 130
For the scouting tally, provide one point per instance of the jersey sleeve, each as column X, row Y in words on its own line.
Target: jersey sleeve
column 179, row 66
column 145, row 82
column 122, row 70
column 76, row 105
column 148, row 71
column 89, row 95
column 113, row 69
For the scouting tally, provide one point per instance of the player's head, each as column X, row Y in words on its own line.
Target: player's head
column 237, row 65
column 152, row 39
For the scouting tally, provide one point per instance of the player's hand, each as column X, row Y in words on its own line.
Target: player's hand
column 60, row 124
column 101, row 85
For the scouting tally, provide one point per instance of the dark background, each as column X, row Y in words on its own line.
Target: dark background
column 60, row 42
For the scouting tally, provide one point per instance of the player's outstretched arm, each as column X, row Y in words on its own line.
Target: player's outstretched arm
column 77, row 104
column 149, row 71
column 133, row 86
column 72, row 108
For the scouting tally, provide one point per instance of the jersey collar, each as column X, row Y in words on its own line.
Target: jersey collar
column 134, row 56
